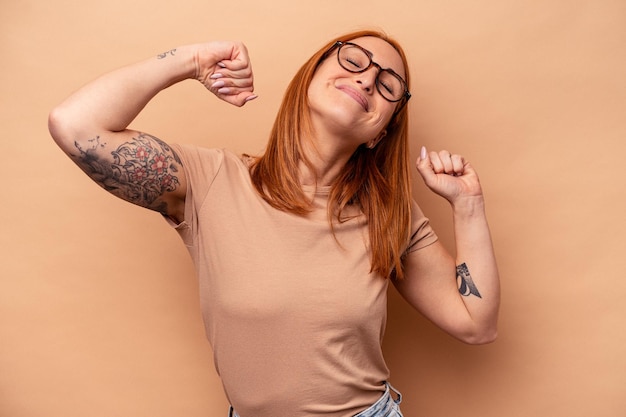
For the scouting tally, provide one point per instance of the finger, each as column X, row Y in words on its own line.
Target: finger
column 239, row 61
column 239, row 99
column 244, row 98
column 435, row 160
column 446, row 162
column 458, row 164
column 227, row 86
column 243, row 73
column 227, row 82
column 425, row 167
column 233, row 91
column 233, row 86
column 243, row 84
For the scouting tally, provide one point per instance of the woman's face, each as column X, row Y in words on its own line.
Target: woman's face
column 348, row 104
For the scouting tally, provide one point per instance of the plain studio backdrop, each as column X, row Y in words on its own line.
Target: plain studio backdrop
column 99, row 310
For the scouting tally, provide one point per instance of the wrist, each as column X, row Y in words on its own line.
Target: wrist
column 179, row 63
column 468, row 206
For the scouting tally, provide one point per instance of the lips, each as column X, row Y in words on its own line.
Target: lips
column 356, row 96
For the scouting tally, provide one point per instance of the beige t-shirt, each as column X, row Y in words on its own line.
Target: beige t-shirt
column 294, row 316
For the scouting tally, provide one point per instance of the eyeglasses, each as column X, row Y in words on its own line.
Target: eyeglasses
column 356, row 59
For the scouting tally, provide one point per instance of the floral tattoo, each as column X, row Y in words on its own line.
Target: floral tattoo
column 465, row 282
column 140, row 171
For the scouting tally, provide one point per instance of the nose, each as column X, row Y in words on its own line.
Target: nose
column 367, row 79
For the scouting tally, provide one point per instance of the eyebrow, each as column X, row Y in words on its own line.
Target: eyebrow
column 371, row 54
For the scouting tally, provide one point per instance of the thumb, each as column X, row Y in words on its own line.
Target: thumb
column 425, row 167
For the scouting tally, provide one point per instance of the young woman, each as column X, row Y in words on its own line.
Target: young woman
column 294, row 249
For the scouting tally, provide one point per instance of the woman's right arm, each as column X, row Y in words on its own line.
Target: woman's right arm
column 91, row 125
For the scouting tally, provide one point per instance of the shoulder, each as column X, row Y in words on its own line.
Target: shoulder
column 203, row 164
column 198, row 160
column 194, row 153
column 422, row 233
column 191, row 153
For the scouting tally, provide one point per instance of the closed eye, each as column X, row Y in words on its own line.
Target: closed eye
column 386, row 86
column 353, row 63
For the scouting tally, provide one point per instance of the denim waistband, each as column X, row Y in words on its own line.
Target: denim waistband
column 386, row 406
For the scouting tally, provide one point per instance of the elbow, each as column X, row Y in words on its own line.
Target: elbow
column 57, row 126
column 63, row 128
column 483, row 339
column 480, row 336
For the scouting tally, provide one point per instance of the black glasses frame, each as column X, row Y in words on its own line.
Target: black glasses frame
column 339, row 44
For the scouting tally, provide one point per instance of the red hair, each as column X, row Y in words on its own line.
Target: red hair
column 377, row 180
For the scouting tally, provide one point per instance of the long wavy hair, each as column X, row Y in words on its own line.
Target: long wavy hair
column 377, row 180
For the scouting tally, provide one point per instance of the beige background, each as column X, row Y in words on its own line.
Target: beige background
column 98, row 303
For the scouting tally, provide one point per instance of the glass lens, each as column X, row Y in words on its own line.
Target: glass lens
column 390, row 86
column 353, row 58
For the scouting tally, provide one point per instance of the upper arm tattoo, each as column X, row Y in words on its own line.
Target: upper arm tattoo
column 140, row 170
column 465, row 282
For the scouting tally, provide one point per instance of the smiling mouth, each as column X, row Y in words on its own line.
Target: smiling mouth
column 356, row 96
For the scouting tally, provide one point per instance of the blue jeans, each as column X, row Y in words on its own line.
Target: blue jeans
column 386, row 406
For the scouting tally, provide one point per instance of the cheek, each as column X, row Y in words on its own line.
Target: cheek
column 386, row 113
column 314, row 96
column 317, row 88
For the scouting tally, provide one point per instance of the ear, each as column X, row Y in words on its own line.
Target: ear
column 372, row 143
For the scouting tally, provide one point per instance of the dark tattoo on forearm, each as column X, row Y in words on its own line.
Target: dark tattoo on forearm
column 165, row 54
column 140, row 171
column 465, row 282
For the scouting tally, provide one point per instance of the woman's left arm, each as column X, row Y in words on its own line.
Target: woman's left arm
column 466, row 307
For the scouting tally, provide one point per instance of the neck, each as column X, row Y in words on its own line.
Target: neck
column 328, row 151
column 326, row 158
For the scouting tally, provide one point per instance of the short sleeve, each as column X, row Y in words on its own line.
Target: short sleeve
column 422, row 234
column 201, row 166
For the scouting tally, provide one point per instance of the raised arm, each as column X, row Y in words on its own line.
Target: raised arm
column 461, row 296
column 91, row 125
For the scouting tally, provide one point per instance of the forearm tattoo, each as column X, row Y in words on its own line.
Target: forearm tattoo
column 465, row 282
column 140, row 171
column 165, row 54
